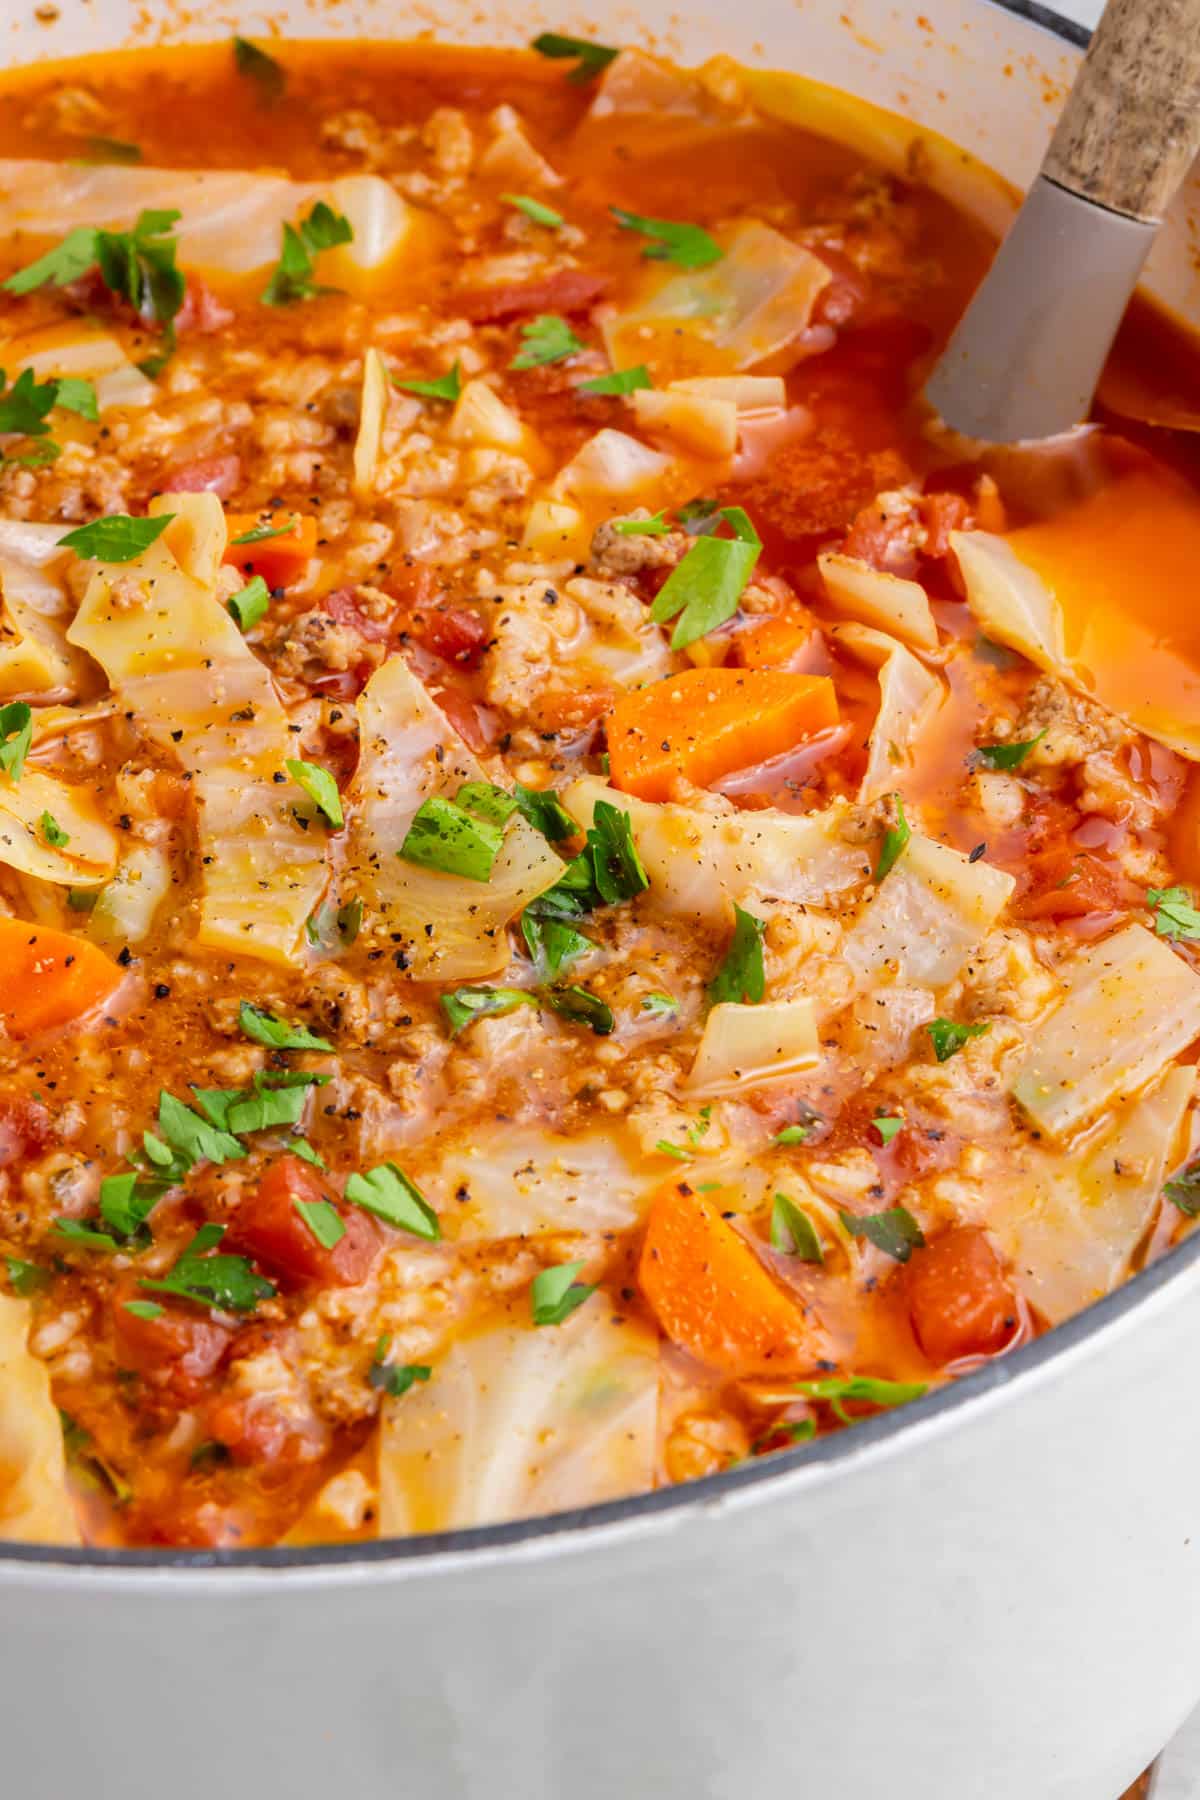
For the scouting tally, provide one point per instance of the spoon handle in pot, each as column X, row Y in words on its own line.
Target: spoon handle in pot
column 1131, row 124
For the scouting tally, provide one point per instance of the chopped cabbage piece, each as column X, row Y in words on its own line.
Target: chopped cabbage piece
column 873, row 597
column 453, row 927
column 368, row 446
column 701, row 863
column 612, row 464
column 745, row 1046
column 516, row 1183
column 35, row 1507
column 909, row 696
column 35, row 657
column 126, row 906
column 1131, row 1004
column 520, row 1420
column 698, row 423
column 179, row 663
column 83, row 349
column 927, row 916
column 89, row 855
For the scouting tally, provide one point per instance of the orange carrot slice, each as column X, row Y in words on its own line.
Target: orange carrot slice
column 48, row 978
column 711, row 1294
column 707, row 722
column 278, row 558
column 771, row 643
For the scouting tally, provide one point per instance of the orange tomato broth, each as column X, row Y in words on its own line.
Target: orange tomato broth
column 189, row 108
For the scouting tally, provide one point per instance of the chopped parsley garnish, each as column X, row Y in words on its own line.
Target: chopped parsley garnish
column 16, row 735
column 322, row 1219
column 24, row 405
column 445, row 387
column 741, row 976
column 616, row 866
column 895, row 841
column 547, row 339
column 545, row 812
column 466, row 1004
column 621, row 381
column 303, row 1149
column 145, row 1309
column 250, row 603
column 75, row 1231
column 75, row 395
column 331, row 927
column 948, row 1038
column 791, row 1431
column 835, row 1390
column 537, row 210
column 395, row 1379
column 655, row 526
column 1184, row 1190
column 194, row 1137
column 445, row 836
column 137, row 266
column 887, row 1126
column 580, row 1006
column 126, row 1202
column 388, row 1192
column 320, row 787
column 292, row 278
column 65, row 263
column 705, row 587
column 793, row 1232
column 26, row 1278
column 228, row 1282
column 276, row 1033
column 678, row 1151
column 895, row 1231
column 52, row 831
column 1007, row 756
column 116, row 539
column 487, row 801
column 690, row 246
column 700, row 516
column 1174, row 915
column 659, row 1005
column 274, row 1100
column 257, row 66
column 555, row 1293
column 553, row 944
column 793, row 1134
column 83, row 1455
column 590, row 59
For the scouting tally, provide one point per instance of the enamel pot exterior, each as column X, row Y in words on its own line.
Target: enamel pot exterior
column 993, row 1595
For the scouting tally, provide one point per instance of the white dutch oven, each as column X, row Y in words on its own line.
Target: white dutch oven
column 991, row 1595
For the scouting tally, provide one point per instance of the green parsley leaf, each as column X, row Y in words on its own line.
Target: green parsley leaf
column 65, row 263
column 617, row 869
column 23, row 406
column 895, row 1231
column 323, row 1220
column 320, row 787
column 445, row 837
column 690, row 246
column 555, row 1294
column 553, row 944
column 75, row 1231
column 395, row 1379
column 139, row 266
column 116, row 539
column 705, row 587
column 303, row 1149
column 700, row 516
column 656, row 526
column 887, row 1126
column 74, row 395
column 228, row 1282
column 895, row 841
column 53, row 832
column 388, row 1192
column 659, row 1004
column 621, row 381
column 445, row 387
column 535, row 210
column 332, row 927
column 793, row 1134
column 110, row 150
column 195, row 1138
column 1007, row 756
column 793, row 1431
column 678, row 1151
column 573, row 894
column 547, row 339
column 292, row 277
column 1184, row 1190
column 835, row 1390
column 257, row 66
column 1174, row 915
column 793, row 1232
column 270, row 1104
column 16, row 735
column 145, row 1309
column 250, row 603
column 590, row 58
column 26, row 1278
column 38, row 454
column 126, row 1203
column 545, row 812
column 741, row 976
column 580, row 1006
column 82, row 1454
column 276, row 1033
column 466, row 1004
column 948, row 1038
column 487, row 801
column 258, row 534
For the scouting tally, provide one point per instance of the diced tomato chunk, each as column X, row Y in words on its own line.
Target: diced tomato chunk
column 206, row 475
column 454, row 633
column 570, row 291
column 269, row 1227
column 343, row 606
column 24, row 1128
column 1068, row 884
column 177, row 1349
column 201, row 310
column 255, row 1429
column 474, row 724
column 941, row 514
column 959, row 1298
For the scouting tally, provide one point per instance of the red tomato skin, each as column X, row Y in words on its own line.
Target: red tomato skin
column 24, row 1129
column 268, row 1228
column 959, row 1299
column 218, row 475
column 340, row 605
column 570, row 291
column 454, row 633
column 178, row 1350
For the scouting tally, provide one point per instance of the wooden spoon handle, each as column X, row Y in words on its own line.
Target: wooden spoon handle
column 1131, row 124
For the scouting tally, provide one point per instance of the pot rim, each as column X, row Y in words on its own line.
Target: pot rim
column 872, row 1437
